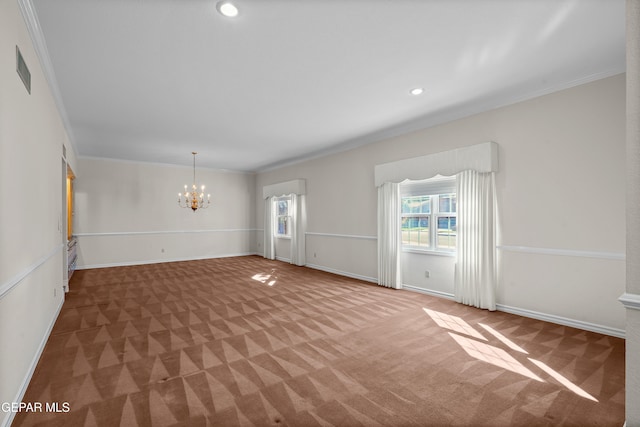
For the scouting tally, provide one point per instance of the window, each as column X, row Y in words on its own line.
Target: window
column 283, row 217
column 429, row 215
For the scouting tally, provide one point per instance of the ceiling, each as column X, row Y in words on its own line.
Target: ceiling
column 153, row 80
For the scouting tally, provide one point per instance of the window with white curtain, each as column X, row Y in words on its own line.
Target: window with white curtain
column 429, row 215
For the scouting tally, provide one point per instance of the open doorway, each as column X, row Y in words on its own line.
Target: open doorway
column 68, row 239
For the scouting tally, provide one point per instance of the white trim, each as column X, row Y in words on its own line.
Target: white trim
column 347, row 236
column 433, row 293
column 287, row 260
column 34, row 362
column 559, row 320
column 437, row 185
column 450, row 254
column 171, row 165
column 42, row 52
column 137, row 233
column 579, row 324
column 12, row 282
column 481, row 158
column 159, row 261
column 295, row 186
column 342, row 273
column 564, row 252
column 630, row 301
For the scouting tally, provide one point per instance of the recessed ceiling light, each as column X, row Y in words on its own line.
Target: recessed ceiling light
column 227, row 9
column 416, row 91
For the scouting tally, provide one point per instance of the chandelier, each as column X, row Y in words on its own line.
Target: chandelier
column 193, row 199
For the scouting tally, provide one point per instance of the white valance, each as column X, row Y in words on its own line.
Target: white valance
column 435, row 185
column 480, row 158
column 296, row 186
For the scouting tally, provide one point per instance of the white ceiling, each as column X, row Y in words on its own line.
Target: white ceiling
column 153, row 80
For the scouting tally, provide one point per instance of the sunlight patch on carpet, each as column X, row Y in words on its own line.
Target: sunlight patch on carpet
column 454, row 323
column 268, row 279
column 505, row 340
column 494, row 355
column 562, row 380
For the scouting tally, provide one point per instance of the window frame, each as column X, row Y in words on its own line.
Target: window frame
column 434, row 216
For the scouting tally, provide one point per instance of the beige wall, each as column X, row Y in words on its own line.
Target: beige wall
column 127, row 213
column 560, row 199
column 31, row 211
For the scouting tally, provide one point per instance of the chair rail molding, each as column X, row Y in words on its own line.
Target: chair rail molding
column 630, row 301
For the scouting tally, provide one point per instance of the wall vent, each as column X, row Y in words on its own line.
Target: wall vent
column 23, row 70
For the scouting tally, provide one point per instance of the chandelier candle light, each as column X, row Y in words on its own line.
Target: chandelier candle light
column 194, row 200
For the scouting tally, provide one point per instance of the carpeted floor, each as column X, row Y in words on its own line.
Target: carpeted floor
column 246, row 341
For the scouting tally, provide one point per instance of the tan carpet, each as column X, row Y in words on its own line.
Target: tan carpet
column 246, row 341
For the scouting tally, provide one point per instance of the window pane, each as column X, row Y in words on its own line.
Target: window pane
column 416, row 204
column 283, row 207
column 283, row 225
column 425, row 204
column 447, row 203
column 415, row 231
column 406, row 205
column 447, row 232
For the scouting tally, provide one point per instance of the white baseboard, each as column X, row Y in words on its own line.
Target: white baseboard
column 559, row 320
column 342, row 273
column 551, row 318
column 433, row 293
column 159, row 261
column 32, row 367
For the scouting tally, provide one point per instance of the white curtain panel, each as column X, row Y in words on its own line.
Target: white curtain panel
column 269, row 226
column 475, row 272
column 389, row 237
column 298, row 228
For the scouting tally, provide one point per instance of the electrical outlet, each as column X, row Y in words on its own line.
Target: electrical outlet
column 314, row 254
column 162, row 250
column 55, row 292
column 427, row 274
